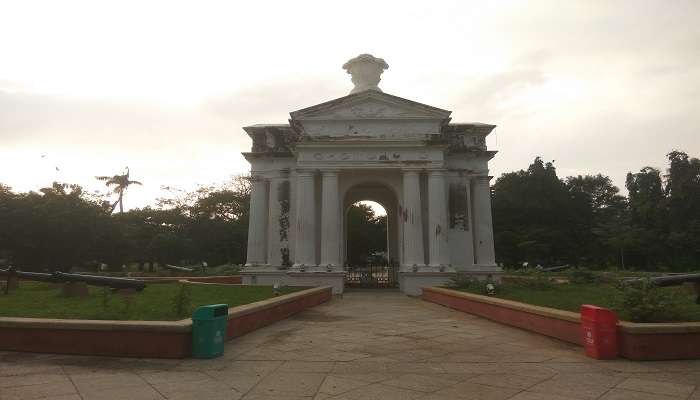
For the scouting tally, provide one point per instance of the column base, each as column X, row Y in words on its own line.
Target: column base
column 479, row 268
column 411, row 267
column 412, row 283
column 298, row 267
column 331, row 268
column 295, row 278
column 263, row 278
column 258, row 267
column 438, row 268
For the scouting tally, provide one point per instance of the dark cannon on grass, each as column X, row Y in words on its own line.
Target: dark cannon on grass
column 70, row 280
column 670, row 280
column 556, row 268
column 178, row 269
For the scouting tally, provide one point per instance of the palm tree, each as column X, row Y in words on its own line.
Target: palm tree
column 120, row 183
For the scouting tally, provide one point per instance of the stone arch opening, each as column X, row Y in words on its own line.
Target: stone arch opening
column 366, row 235
column 384, row 195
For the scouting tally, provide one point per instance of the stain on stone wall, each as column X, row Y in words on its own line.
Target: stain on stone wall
column 283, row 196
column 459, row 211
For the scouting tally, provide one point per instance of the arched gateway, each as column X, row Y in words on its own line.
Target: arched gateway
column 430, row 175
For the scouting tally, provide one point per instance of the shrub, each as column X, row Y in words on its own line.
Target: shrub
column 106, row 297
column 182, row 302
column 643, row 301
column 471, row 284
column 463, row 282
column 127, row 300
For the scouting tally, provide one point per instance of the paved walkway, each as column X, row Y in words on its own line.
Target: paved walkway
column 366, row 345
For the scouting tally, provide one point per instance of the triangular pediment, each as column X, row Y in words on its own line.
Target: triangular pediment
column 370, row 104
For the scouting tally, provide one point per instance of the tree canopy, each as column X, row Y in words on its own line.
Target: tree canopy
column 63, row 227
column 583, row 220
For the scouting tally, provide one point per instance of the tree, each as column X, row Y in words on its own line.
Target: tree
column 683, row 201
column 120, row 183
column 599, row 202
column 56, row 228
column 598, row 190
column 648, row 217
column 217, row 219
column 219, row 224
column 536, row 219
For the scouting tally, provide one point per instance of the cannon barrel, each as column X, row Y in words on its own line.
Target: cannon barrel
column 671, row 280
column 30, row 276
column 668, row 280
column 59, row 277
column 557, row 268
column 176, row 268
column 108, row 281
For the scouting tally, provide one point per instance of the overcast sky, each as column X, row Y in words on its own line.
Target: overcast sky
column 164, row 87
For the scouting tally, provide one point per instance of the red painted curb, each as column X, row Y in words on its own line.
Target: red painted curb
column 636, row 341
column 172, row 339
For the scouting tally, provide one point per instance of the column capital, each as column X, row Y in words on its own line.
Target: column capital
column 278, row 174
column 330, row 171
column 306, row 172
column 412, row 170
column 257, row 177
column 438, row 172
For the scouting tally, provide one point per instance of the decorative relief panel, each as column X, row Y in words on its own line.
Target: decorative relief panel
column 416, row 130
column 371, row 156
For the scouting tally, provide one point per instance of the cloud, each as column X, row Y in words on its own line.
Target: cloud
column 88, row 137
column 598, row 86
column 271, row 102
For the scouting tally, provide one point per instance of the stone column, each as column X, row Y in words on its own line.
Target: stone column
column 483, row 226
column 276, row 239
column 330, row 220
column 412, row 220
column 439, row 228
column 305, row 223
column 257, row 224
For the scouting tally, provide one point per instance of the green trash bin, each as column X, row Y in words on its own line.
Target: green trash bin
column 209, row 330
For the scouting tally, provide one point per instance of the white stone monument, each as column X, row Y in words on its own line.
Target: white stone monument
column 430, row 175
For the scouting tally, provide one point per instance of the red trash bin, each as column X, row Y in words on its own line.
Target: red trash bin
column 599, row 330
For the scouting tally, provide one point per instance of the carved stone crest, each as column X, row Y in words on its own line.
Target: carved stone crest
column 366, row 71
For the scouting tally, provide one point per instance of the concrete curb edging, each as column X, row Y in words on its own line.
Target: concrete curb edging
column 636, row 341
column 153, row 339
column 563, row 325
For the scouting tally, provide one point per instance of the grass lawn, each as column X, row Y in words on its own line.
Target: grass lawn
column 155, row 303
column 570, row 297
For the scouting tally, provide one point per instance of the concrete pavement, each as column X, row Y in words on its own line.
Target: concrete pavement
column 365, row 345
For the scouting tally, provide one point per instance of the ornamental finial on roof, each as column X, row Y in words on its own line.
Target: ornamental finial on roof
column 366, row 71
